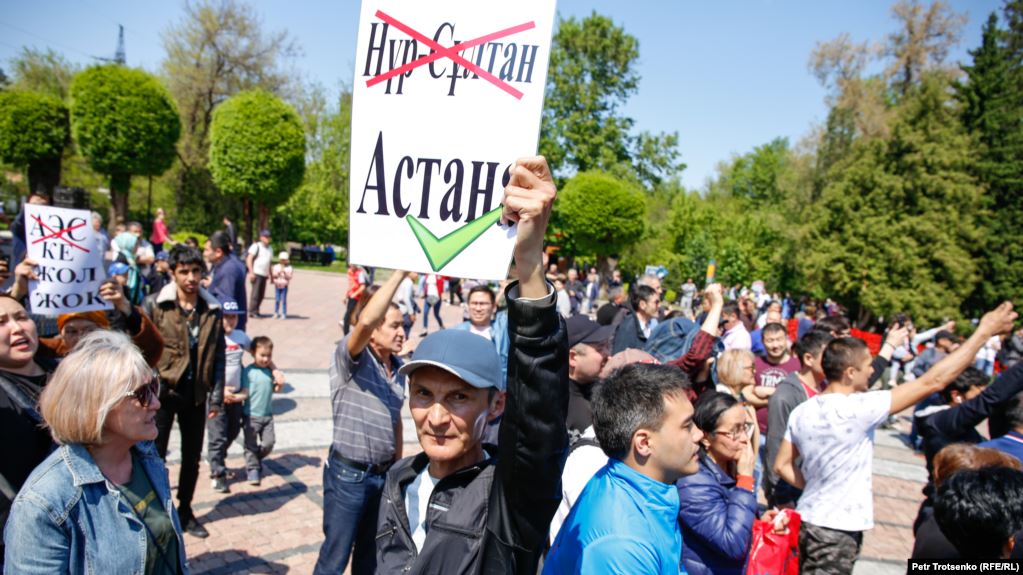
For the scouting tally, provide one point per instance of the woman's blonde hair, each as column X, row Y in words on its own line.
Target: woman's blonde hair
column 89, row 382
column 731, row 364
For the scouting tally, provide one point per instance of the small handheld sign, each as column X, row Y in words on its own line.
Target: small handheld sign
column 446, row 96
column 69, row 268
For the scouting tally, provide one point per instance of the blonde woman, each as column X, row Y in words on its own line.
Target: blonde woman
column 101, row 502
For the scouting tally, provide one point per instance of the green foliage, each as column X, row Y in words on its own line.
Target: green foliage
column 124, row 121
column 217, row 49
column 33, row 127
column 180, row 237
column 46, row 72
column 902, row 216
column 602, row 215
column 257, row 147
column 591, row 76
column 318, row 212
column 993, row 110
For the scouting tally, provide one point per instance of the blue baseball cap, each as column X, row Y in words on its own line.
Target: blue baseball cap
column 467, row 356
column 117, row 268
column 229, row 306
column 162, row 255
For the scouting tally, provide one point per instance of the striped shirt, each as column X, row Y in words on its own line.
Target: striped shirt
column 366, row 405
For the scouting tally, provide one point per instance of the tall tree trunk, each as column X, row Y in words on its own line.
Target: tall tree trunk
column 120, row 185
column 44, row 175
column 247, row 217
column 264, row 217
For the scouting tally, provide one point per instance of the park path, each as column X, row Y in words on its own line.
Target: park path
column 276, row 527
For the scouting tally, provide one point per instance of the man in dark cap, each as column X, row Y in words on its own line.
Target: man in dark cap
column 588, row 349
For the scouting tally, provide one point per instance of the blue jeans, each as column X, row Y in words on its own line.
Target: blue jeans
column 436, row 312
column 351, row 499
column 281, row 300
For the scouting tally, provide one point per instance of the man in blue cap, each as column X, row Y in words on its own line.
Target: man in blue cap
column 460, row 506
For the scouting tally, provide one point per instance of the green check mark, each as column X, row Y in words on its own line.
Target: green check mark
column 440, row 251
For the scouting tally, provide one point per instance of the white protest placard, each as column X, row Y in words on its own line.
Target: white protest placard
column 69, row 267
column 446, row 96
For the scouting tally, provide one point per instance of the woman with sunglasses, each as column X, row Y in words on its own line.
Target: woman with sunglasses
column 717, row 503
column 101, row 502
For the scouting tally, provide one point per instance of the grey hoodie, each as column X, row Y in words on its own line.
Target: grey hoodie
column 786, row 397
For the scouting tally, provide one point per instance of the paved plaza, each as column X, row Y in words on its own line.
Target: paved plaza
column 276, row 527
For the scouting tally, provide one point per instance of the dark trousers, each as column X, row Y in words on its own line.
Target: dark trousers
column 351, row 499
column 192, row 424
column 349, row 310
column 223, row 430
column 257, row 295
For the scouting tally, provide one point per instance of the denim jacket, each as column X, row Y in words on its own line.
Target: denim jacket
column 68, row 518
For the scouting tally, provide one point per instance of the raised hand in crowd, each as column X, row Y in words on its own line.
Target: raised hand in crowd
column 23, row 272
column 528, row 199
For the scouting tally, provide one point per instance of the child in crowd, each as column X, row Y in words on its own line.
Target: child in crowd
column 281, row 276
column 257, row 420
column 224, row 428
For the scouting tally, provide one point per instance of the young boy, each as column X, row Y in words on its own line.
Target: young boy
column 224, row 428
column 257, row 420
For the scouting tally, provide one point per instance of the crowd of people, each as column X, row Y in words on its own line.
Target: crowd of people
column 558, row 435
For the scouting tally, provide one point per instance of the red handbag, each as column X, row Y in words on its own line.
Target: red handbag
column 774, row 553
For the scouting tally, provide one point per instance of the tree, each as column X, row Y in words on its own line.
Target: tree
column 602, row 214
column 993, row 110
column 922, row 42
column 590, row 77
column 900, row 217
column 257, row 151
column 33, row 133
column 216, row 50
column 315, row 213
column 47, row 72
column 124, row 123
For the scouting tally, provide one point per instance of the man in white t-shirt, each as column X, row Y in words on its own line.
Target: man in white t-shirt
column 259, row 258
column 833, row 434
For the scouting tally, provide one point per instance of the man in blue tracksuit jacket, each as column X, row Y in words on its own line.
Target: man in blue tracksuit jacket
column 626, row 519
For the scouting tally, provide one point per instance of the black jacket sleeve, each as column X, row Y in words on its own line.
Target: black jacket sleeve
column 879, row 364
column 965, row 416
column 533, row 440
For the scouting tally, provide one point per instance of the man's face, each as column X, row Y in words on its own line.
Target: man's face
column 862, row 371
column 776, row 308
column 187, row 277
column 773, row 316
column 945, row 345
column 654, row 283
column 776, row 344
column 481, row 309
column 816, row 367
column 97, row 224
column 729, row 320
column 389, row 335
column 450, row 415
column 162, row 266
column 572, row 274
column 674, row 447
column 211, row 255
column 649, row 306
column 265, row 240
column 585, row 361
column 135, row 230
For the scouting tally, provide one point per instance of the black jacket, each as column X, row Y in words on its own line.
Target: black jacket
column 494, row 516
column 942, row 425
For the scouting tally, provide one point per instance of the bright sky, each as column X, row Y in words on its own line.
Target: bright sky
column 726, row 76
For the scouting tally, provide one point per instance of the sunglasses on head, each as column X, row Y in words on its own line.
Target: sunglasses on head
column 146, row 392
